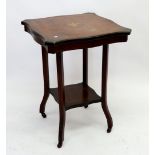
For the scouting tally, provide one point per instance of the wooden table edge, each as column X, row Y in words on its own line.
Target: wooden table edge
column 79, row 43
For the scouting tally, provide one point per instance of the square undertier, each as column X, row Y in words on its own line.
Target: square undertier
column 77, row 95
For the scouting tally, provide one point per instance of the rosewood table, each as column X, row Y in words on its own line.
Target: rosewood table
column 63, row 33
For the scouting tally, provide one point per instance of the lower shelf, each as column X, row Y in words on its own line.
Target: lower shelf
column 77, row 95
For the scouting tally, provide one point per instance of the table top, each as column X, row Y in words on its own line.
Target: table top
column 59, row 29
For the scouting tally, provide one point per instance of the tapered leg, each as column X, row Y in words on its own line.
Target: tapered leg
column 85, row 68
column 104, row 87
column 46, row 81
column 61, row 94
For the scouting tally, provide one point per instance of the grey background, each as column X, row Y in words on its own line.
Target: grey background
column 28, row 133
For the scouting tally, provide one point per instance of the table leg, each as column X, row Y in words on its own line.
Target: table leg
column 46, row 81
column 61, row 94
column 104, row 87
column 85, row 68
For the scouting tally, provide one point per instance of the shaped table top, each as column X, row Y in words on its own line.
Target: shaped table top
column 59, row 29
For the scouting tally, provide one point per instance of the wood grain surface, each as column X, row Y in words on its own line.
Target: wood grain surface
column 71, row 27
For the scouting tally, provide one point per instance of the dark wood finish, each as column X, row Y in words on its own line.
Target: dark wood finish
column 85, row 68
column 104, row 87
column 61, row 97
column 64, row 32
column 71, row 27
column 46, row 80
column 77, row 95
column 87, row 43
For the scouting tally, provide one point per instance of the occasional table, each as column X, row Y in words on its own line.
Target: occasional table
column 63, row 33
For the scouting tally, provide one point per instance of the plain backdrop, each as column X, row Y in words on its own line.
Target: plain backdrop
column 85, row 132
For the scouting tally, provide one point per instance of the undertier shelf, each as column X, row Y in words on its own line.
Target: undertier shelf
column 77, row 95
